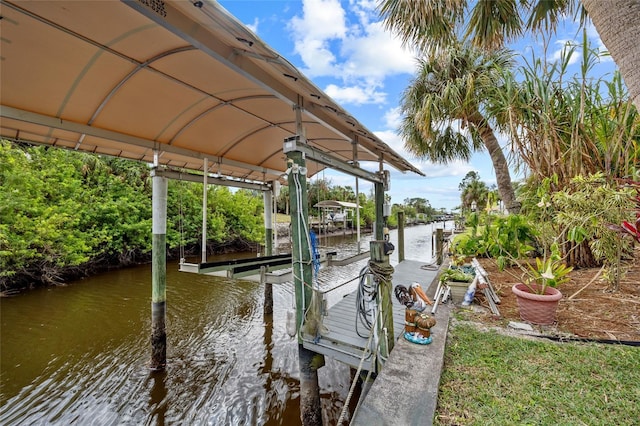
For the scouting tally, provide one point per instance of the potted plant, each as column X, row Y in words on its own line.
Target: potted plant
column 458, row 281
column 538, row 295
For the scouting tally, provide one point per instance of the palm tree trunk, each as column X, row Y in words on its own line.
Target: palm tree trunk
column 503, row 177
column 618, row 24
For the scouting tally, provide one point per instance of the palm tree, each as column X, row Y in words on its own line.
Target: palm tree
column 475, row 192
column 443, row 110
column 617, row 24
column 432, row 25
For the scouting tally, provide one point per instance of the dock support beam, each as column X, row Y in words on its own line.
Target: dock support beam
column 439, row 245
column 309, row 361
column 205, row 188
column 400, row 235
column 267, row 197
column 379, row 200
column 159, row 274
column 385, row 305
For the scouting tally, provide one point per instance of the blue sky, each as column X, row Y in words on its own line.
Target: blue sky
column 342, row 47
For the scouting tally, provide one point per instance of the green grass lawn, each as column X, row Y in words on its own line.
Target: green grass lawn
column 492, row 379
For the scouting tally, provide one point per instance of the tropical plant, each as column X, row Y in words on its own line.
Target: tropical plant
column 549, row 271
column 474, row 191
column 455, row 274
column 585, row 209
column 568, row 125
column 444, row 110
column 436, row 25
column 627, row 227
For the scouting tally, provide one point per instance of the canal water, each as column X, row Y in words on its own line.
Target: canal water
column 78, row 354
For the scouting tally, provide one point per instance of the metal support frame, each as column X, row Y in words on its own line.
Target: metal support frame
column 294, row 143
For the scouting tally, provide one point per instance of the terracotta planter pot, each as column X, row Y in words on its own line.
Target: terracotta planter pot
column 537, row 308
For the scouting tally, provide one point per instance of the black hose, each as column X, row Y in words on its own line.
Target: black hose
column 588, row 340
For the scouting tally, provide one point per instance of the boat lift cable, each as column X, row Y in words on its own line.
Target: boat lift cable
column 370, row 276
column 365, row 297
column 365, row 355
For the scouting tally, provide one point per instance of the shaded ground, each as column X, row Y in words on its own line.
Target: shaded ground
column 595, row 312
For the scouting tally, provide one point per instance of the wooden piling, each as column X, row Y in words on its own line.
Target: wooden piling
column 385, row 303
column 439, row 245
column 159, row 274
column 268, row 250
column 379, row 205
column 310, row 407
column 400, row 235
column 309, row 361
column 268, row 291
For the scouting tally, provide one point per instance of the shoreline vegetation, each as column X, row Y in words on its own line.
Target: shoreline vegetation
column 67, row 215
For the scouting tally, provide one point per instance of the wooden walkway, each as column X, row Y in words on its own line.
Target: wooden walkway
column 342, row 342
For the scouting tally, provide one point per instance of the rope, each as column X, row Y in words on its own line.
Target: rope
column 370, row 277
column 365, row 354
column 368, row 291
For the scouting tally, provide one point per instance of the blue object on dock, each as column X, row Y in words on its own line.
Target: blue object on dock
column 417, row 338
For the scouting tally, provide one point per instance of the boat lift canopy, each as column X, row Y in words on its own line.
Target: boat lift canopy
column 186, row 79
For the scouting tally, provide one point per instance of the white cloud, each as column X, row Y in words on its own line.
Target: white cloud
column 322, row 21
column 392, row 118
column 355, row 95
column 375, row 53
column 254, row 26
column 348, row 45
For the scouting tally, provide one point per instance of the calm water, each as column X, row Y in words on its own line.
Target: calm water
column 79, row 353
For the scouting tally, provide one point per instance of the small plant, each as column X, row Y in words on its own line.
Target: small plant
column 549, row 271
column 454, row 274
column 460, row 259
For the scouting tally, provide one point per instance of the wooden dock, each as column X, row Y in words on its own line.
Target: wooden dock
column 342, row 342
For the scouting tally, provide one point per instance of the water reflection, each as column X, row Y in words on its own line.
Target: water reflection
column 158, row 398
column 79, row 354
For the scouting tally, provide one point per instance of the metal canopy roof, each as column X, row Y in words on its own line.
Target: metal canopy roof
column 335, row 204
column 185, row 78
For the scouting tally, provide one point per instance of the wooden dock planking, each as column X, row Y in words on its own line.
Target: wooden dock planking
column 342, row 342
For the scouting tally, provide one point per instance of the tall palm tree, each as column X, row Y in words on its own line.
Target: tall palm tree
column 618, row 24
column 443, row 110
column 475, row 192
column 434, row 24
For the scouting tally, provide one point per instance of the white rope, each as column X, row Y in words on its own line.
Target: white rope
column 365, row 353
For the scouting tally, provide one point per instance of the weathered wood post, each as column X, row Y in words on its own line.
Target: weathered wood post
column 158, row 271
column 309, row 361
column 379, row 200
column 439, row 245
column 380, row 261
column 400, row 235
column 268, row 249
column 384, row 324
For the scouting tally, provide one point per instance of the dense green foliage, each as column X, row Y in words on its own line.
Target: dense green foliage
column 65, row 213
